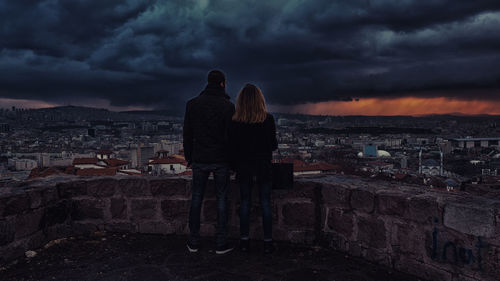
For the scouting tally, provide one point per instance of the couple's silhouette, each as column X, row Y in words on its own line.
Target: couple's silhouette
column 219, row 138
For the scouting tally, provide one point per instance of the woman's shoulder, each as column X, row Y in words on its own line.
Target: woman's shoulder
column 269, row 118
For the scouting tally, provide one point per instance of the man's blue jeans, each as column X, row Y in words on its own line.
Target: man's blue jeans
column 201, row 173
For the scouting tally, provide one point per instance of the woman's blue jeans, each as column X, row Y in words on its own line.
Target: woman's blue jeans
column 256, row 172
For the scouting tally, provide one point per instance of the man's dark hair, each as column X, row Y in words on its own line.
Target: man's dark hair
column 216, row 76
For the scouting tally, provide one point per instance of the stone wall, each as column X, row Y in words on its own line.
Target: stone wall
column 437, row 236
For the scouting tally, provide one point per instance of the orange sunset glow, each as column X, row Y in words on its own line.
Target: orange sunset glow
column 399, row 106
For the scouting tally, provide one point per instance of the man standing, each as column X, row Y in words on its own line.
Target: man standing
column 206, row 123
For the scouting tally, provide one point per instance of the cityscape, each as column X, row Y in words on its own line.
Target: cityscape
column 449, row 152
column 223, row 140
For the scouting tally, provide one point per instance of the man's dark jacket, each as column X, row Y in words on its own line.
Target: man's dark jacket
column 206, row 124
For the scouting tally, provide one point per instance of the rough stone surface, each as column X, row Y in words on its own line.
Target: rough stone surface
column 299, row 214
column 87, row 209
column 372, row 232
column 172, row 209
column 424, row 208
column 29, row 223
column 336, row 195
column 16, row 204
column 135, row 187
column 172, row 188
column 72, row 189
column 35, row 198
column 392, row 203
column 7, row 232
column 300, row 190
column 468, row 219
column 57, row 213
column 159, row 257
column 341, row 222
column 363, row 200
column 389, row 224
column 101, row 188
column 143, row 208
column 118, row 208
column 210, row 210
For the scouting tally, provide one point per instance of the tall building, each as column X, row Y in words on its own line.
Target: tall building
column 4, row 128
column 146, row 153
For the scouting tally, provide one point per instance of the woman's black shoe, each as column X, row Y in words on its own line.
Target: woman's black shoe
column 268, row 247
column 244, row 245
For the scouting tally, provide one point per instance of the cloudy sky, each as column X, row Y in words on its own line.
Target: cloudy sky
column 381, row 57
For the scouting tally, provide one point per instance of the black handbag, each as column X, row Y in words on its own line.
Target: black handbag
column 282, row 174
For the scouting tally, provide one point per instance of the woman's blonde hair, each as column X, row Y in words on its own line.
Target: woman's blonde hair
column 250, row 105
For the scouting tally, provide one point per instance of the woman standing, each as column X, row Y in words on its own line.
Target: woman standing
column 252, row 137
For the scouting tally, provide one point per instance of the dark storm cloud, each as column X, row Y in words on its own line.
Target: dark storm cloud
column 157, row 53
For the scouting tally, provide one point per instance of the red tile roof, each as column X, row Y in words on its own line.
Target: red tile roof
column 96, row 172
column 82, row 161
column 115, row 162
column 131, row 173
column 168, row 160
column 45, row 172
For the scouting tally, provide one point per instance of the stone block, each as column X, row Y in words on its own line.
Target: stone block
column 16, row 204
column 301, row 189
column 58, row 231
column 301, row 215
column 121, row 227
column 118, row 208
column 134, row 187
column 392, row 203
column 410, row 239
column 35, row 197
column 490, row 262
column 102, row 187
column 29, row 223
column 7, row 231
column 57, row 213
column 470, row 219
column 372, row 232
column 363, row 200
column 83, row 209
column 424, row 209
column 72, row 189
column 50, row 195
column 84, row 228
column 207, row 229
column 378, row 256
column 422, row 270
column 337, row 196
column 341, row 222
column 3, row 204
column 170, row 187
column 36, row 240
column 210, row 210
column 301, row 236
column 173, row 210
column 153, row 227
column 143, row 209
column 12, row 252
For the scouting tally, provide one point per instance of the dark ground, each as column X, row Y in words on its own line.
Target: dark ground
column 157, row 257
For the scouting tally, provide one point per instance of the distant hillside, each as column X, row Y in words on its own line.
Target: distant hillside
column 78, row 113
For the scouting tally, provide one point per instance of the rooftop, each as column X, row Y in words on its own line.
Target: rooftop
column 104, row 256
